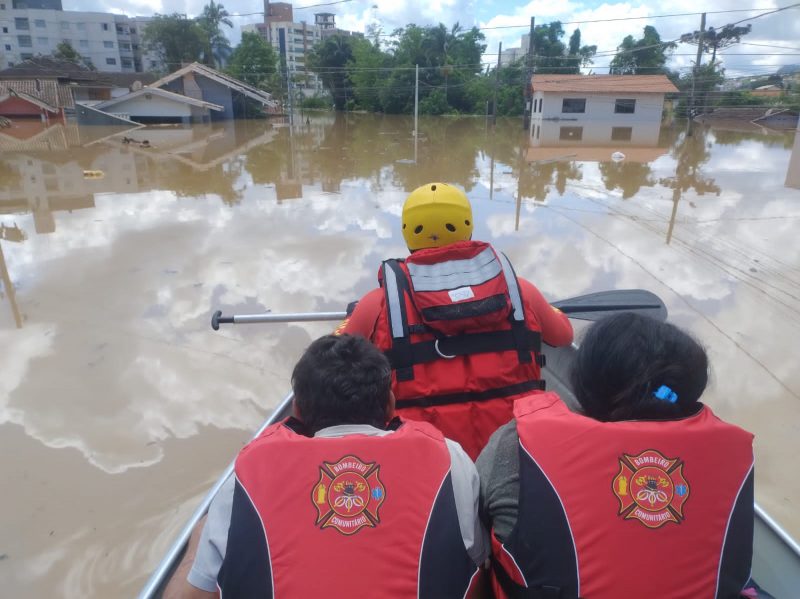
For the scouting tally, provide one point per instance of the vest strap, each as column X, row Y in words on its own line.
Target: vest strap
column 471, row 396
column 518, row 338
column 395, row 287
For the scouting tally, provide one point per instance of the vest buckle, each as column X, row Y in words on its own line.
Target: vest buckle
column 438, row 351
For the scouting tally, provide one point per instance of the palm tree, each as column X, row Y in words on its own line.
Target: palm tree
column 218, row 47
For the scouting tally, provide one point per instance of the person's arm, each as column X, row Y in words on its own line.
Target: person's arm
column 196, row 576
column 466, row 488
column 498, row 468
column 363, row 319
column 178, row 587
column 556, row 327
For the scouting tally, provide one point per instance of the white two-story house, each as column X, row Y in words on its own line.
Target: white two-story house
column 597, row 110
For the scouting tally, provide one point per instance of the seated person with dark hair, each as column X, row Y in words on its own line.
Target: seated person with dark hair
column 343, row 499
column 647, row 493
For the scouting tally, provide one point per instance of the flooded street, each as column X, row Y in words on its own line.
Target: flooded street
column 119, row 406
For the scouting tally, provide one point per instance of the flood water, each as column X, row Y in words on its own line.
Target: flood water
column 119, row 406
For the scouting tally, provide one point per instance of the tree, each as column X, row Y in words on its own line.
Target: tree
column 254, row 61
column 218, row 48
column 175, row 39
column 714, row 40
column 65, row 51
column 329, row 59
column 645, row 56
column 551, row 55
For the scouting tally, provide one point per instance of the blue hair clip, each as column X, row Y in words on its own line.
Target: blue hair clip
column 666, row 394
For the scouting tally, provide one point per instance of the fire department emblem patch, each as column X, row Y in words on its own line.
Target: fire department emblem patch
column 348, row 495
column 651, row 488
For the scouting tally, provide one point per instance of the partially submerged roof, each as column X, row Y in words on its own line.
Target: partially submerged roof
column 50, row 68
column 196, row 68
column 600, row 84
column 12, row 93
column 158, row 92
column 47, row 90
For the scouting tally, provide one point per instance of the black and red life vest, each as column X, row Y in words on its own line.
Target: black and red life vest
column 459, row 339
column 351, row 516
column 628, row 509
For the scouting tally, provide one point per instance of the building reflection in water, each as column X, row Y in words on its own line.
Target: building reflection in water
column 793, row 172
column 14, row 235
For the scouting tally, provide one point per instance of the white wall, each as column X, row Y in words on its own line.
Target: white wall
column 600, row 107
column 155, row 106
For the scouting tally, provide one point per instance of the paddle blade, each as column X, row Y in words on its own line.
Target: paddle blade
column 595, row 306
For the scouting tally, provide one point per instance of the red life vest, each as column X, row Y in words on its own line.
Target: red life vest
column 356, row 516
column 460, row 342
column 629, row 509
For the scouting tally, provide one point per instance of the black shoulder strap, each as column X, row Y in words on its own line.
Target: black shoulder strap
column 395, row 287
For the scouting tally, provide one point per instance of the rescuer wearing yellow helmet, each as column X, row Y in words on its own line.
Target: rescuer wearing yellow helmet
column 462, row 332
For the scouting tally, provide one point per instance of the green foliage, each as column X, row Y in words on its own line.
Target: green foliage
column 315, row 103
column 551, row 55
column 740, row 98
column 255, row 62
column 329, row 59
column 175, row 39
column 645, row 56
column 714, row 40
column 359, row 73
column 65, row 51
column 217, row 47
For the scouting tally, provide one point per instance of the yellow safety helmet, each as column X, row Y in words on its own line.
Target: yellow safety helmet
column 436, row 214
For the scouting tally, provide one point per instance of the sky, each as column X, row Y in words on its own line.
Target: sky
column 780, row 29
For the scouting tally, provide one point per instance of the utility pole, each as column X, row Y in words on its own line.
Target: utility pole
column 528, row 76
column 496, row 83
column 697, row 65
column 416, row 110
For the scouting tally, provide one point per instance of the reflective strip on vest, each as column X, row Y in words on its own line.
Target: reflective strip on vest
column 393, row 298
column 454, row 273
column 513, row 288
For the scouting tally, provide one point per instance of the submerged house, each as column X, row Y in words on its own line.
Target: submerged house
column 19, row 104
column 613, row 104
column 155, row 105
column 204, row 83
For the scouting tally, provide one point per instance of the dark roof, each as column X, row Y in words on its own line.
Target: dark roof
column 128, row 79
column 47, row 67
column 47, row 90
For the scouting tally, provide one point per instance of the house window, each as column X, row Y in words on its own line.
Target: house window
column 573, row 105
column 21, row 24
column 5, row 29
column 2, row 6
column 111, row 61
column 570, row 133
column 124, row 46
column 8, row 47
column 624, row 106
column 621, row 133
column 108, row 44
column 39, row 23
column 127, row 63
column 104, row 26
column 42, row 41
column 81, row 26
column 83, row 43
column 133, row 30
column 24, row 41
column 119, row 29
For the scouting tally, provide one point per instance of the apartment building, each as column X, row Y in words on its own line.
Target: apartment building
column 110, row 42
column 294, row 40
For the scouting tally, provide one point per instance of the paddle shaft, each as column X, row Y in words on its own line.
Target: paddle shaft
column 586, row 307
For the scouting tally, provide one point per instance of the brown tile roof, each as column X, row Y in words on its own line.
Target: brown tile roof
column 46, row 90
column 658, row 84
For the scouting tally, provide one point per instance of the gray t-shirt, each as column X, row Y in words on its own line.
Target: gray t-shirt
column 466, row 488
column 498, row 468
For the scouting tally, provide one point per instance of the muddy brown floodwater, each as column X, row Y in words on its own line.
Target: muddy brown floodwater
column 119, row 405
